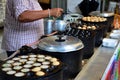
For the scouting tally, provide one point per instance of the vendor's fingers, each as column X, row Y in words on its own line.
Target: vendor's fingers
column 59, row 12
column 56, row 12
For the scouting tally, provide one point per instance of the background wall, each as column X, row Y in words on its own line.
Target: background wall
column 2, row 11
column 69, row 5
column 72, row 6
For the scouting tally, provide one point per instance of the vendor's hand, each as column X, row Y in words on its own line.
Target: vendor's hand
column 56, row 12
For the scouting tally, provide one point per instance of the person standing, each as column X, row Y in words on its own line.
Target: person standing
column 24, row 23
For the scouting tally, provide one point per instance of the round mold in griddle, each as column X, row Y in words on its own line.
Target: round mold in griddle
column 11, row 72
column 26, row 70
column 20, row 74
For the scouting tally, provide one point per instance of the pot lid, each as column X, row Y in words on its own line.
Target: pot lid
column 66, row 44
column 103, row 14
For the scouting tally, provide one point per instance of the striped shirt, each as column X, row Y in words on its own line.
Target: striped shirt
column 17, row 34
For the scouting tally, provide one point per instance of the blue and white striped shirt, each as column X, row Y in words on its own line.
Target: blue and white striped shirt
column 17, row 34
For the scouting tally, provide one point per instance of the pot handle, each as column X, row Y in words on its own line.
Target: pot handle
column 36, row 42
column 15, row 53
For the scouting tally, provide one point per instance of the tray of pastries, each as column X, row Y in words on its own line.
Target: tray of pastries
column 31, row 66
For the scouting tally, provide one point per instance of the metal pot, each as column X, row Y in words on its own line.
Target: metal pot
column 68, row 49
column 87, row 36
column 55, row 25
column 101, row 31
column 60, row 25
column 108, row 15
column 48, row 26
column 53, row 44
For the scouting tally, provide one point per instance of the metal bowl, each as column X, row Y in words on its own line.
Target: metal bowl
column 60, row 25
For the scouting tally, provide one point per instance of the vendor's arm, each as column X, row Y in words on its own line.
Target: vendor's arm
column 28, row 15
column 25, row 13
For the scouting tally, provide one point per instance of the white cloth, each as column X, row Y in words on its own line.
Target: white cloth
column 17, row 34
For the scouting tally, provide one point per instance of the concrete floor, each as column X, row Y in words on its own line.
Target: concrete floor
column 95, row 67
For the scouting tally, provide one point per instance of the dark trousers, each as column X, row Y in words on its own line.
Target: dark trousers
column 9, row 53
